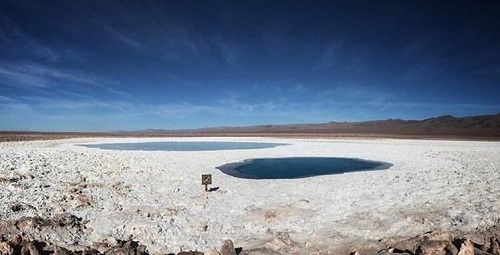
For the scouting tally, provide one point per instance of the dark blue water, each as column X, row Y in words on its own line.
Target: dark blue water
column 298, row 167
column 183, row 146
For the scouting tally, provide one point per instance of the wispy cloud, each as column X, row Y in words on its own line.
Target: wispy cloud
column 234, row 102
column 434, row 105
column 125, row 39
column 37, row 102
column 299, row 87
column 228, row 51
column 183, row 110
column 27, row 75
column 330, row 56
column 15, row 77
column 34, row 75
column 355, row 93
column 13, row 37
column 11, row 104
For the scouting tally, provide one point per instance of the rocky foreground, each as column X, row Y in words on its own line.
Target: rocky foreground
column 19, row 238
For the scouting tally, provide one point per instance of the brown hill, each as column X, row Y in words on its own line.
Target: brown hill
column 485, row 127
column 474, row 126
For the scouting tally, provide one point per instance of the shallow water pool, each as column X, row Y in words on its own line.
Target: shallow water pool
column 298, row 167
column 184, row 146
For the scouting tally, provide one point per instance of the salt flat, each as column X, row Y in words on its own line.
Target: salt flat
column 158, row 198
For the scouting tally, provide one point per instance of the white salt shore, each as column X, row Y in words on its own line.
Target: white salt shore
column 157, row 196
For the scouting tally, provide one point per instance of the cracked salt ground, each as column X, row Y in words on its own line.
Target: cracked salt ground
column 157, row 197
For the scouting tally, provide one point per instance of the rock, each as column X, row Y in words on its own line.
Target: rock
column 127, row 248
column 61, row 251
column 6, row 249
column 21, row 207
column 283, row 242
column 83, row 200
column 190, row 253
column 29, row 249
column 88, row 252
column 261, row 251
column 67, row 220
column 480, row 252
column 495, row 246
column 17, row 240
column 476, row 238
column 212, row 252
column 467, row 248
column 119, row 251
column 27, row 223
column 436, row 247
column 227, row 248
column 141, row 250
column 392, row 253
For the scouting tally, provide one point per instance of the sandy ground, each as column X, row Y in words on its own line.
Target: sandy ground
column 157, row 197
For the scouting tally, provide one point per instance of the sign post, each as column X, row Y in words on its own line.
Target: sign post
column 206, row 179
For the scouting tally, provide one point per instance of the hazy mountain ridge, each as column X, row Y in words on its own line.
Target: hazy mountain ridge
column 485, row 125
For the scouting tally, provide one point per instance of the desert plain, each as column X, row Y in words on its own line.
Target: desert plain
column 156, row 197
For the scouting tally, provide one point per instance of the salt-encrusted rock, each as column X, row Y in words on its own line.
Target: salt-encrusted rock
column 212, row 252
column 61, row 251
column 119, row 251
column 388, row 252
column 479, row 240
column 17, row 240
column 190, row 253
column 82, row 200
column 227, row 248
column 495, row 246
column 466, row 248
column 127, row 248
column 480, row 252
column 29, row 249
column 6, row 249
column 437, row 247
column 261, row 251
column 141, row 250
column 282, row 241
column 21, row 207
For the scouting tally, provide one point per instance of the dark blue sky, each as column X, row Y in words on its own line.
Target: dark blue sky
column 128, row 65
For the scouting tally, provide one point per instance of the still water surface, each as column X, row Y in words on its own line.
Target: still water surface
column 298, row 167
column 183, row 146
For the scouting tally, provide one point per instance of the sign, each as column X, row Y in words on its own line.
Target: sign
column 206, row 179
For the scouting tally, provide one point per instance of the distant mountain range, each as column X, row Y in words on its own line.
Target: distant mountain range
column 485, row 127
column 442, row 126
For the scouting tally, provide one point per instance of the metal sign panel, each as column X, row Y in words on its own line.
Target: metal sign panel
column 206, row 179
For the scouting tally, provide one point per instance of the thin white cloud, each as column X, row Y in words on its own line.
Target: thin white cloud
column 228, row 51
column 330, row 56
column 125, row 39
column 30, row 75
column 14, row 37
column 183, row 110
column 14, row 77
column 355, row 92
column 8, row 104
column 33, row 75
column 78, row 104
column 299, row 87
column 434, row 105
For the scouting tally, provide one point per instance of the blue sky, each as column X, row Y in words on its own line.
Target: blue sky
column 131, row 65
